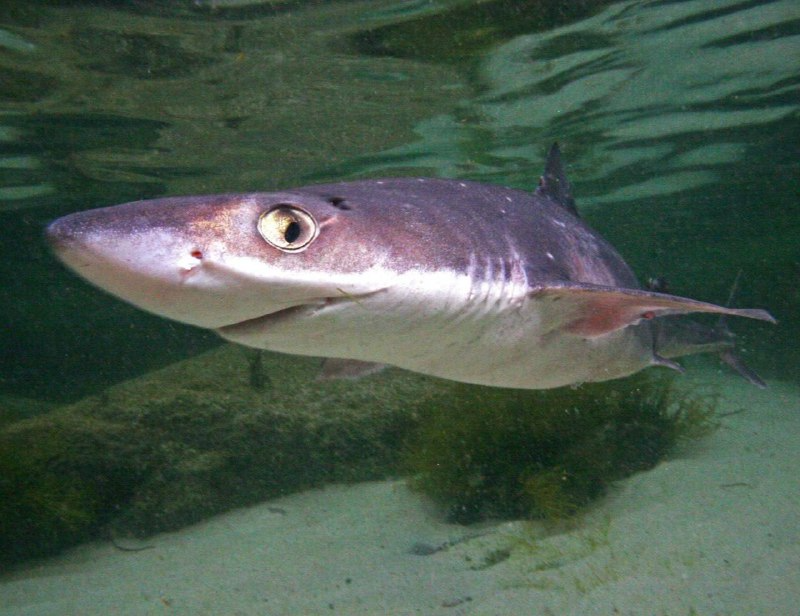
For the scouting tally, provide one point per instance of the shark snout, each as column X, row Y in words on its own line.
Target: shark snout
column 149, row 268
column 60, row 233
column 178, row 261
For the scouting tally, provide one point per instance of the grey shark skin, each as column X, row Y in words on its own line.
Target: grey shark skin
column 462, row 280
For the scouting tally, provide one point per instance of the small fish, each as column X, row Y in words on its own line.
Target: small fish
column 462, row 280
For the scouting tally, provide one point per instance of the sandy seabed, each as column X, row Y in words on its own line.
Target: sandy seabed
column 713, row 530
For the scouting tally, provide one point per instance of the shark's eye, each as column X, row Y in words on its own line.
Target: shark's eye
column 287, row 227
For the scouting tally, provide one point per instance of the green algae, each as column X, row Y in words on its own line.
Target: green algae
column 546, row 454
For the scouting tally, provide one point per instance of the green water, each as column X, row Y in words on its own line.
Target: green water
column 679, row 122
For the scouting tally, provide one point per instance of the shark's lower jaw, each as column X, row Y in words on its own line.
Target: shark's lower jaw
column 267, row 320
column 249, row 331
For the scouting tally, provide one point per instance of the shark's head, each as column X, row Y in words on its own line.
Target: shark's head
column 219, row 261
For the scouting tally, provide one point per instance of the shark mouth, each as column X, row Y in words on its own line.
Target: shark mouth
column 272, row 318
column 293, row 313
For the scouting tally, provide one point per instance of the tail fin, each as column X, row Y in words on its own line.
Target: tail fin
column 677, row 336
column 734, row 361
column 729, row 356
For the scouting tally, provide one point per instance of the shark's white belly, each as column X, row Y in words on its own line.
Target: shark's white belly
column 450, row 326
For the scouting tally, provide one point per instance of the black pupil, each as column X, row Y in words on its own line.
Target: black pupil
column 292, row 232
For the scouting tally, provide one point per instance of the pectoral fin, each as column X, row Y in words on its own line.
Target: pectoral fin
column 593, row 310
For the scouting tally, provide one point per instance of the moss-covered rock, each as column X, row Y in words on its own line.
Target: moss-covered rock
column 62, row 476
column 15, row 408
column 192, row 440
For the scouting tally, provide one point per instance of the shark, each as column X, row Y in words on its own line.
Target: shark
column 458, row 279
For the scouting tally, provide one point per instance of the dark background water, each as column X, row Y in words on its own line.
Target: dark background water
column 678, row 121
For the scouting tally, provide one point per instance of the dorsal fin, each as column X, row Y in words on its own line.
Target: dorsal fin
column 554, row 184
